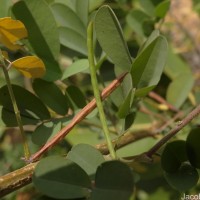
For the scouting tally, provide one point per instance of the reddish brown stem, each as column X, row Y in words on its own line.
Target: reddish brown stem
column 159, row 99
column 125, row 139
column 23, row 176
column 174, row 131
column 80, row 116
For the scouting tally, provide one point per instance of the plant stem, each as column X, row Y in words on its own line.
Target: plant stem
column 194, row 113
column 17, row 179
column 15, row 107
column 159, row 99
column 77, row 119
column 100, row 62
column 96, row 90
column 23, row 175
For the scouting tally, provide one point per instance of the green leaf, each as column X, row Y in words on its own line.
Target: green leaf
column 149, row 40
column 117, row 97
column 121, row 1
column 128, row 93
column 29, row 105
column 124, row 109
column 162, row 8
column 9, row 119
column 73, row 40
column 129, row 119
column 4, row 8
column 127, row 85
column 149, row 64
column 123, row 92
column 72, row 20
column 148, row 26
column 44, row 132
column 182, row 79
column 82, row 8
column 183, row 83
column 148, row 7
column 87, row 157
column 184, row 179
column 135, row 20
column 79, row 7
column 160, row 192
column 93, row 4
column 2, row 125
column 76, row 96
column 49, row 1
column 175, row 65
column 41, row 33
column 144, row 91
column 111, row 39
column 37, row 14
column 113, row 181
column 86, row 136
column 65, row 17
column 196, row 6
column 51, row 95
column 173, row 156
column 193, row 147
column 76, row 67
column 69, row 3
column 61, row 178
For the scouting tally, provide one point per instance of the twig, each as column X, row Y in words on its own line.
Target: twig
column 79, row 117
column 159, row 99
column 21, row 177
column 17, row 179
column 194, row 113
column 25, row 174
column 152, row 114
column 15, row 106
column 177, row 116
column 96, row 90
column 125, row 139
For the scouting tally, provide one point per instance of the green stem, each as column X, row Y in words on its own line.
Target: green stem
column 15, row 107
column 96, row 90
column 100, row 62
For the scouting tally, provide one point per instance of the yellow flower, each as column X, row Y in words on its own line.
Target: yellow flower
column 10, row 32
column 30, row 66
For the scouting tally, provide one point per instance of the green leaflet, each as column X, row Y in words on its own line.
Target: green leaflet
column 80, row 65
column 107, row 184
column 62, row 179
column 110, row 36
column 87, row 157
column 42, row 33
column 51, row 95
column 149, row 64
column 31, row 108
